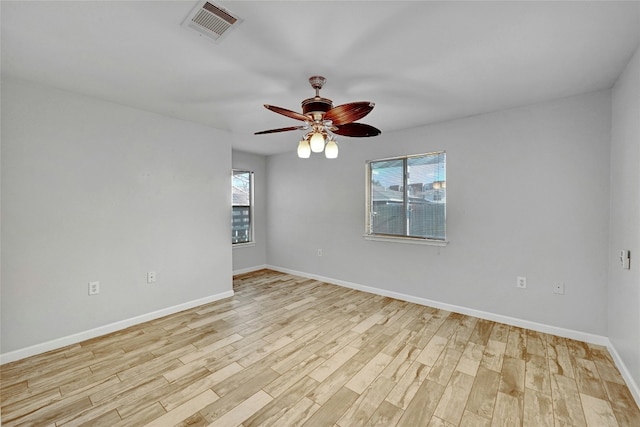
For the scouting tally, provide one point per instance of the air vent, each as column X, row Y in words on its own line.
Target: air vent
column 211, row 20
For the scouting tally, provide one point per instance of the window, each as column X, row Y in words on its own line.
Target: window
column 242, row 207
column 406, row 197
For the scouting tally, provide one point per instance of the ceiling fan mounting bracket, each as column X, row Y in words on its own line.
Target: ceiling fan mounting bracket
column 317, row 82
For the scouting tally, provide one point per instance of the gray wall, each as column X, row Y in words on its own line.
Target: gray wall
column 251, row 257
column 96, row 191
column 624, row 285
column 527, row 194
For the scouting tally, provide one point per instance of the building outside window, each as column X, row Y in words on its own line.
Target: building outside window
column 242, row 207
column 406, row 197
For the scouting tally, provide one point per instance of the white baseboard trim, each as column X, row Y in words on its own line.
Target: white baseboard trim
column 106, row 329
column 116, row 326
column 250, row 269
column 624, row 371
column 540, row 327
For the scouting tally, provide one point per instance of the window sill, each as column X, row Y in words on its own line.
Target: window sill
column 243, row 245
column 410, row 240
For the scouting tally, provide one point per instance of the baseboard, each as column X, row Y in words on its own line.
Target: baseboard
column 249, row 270
column 624, row 371
column 540, row 327
column 106, row 329
column 116, row 326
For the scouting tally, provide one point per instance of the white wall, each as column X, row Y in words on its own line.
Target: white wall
column 527, row 194
column 624, row 285
column 247, row 258
column 96, row 191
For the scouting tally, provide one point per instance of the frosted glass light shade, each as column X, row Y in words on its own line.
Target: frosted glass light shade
column 317, row 142
column 331, row 150
column 304, row 151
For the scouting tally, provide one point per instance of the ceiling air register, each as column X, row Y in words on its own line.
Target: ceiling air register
column 211, row 20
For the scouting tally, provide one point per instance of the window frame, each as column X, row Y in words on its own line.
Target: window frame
column 251, row 205
column 369, row 235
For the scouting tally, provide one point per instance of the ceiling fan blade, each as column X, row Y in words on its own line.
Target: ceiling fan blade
column 280, row 130
column 348, row 113
column 286, row 112
column 357, row 130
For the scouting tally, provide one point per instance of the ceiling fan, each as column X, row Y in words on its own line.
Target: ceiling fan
column 323, row 120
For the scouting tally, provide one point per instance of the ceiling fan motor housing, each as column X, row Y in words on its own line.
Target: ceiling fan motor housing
column 316, row 105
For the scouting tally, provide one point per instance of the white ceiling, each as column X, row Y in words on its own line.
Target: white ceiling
column 419, row 61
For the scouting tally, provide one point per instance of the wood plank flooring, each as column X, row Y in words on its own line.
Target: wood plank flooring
column 290, row 351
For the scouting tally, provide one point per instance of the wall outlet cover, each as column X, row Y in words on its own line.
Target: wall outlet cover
column 521, row 282
column 94, row 288
column 558, row 288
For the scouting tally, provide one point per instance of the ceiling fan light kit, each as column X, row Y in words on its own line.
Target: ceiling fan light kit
column 317, row 141
column 323, row 121
column 331, row 149
column 304, row 149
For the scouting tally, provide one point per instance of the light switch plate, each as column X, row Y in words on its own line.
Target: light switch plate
column 625, row 259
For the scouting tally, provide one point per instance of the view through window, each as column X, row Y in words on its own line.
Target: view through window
column 242, row 206
column 407, row 196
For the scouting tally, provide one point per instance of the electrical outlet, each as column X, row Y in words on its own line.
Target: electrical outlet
column 319, row 252
column 94, row 288
column 521, row 282
column 558, row 288
column 151, row 277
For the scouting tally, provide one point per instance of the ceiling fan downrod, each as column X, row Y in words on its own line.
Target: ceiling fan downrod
column 317, row 82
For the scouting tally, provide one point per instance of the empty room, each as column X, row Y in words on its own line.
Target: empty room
column 320, row 213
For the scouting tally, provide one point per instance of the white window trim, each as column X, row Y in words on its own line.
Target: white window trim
column 405, row 239
column 243, row 245
column 252, row 237
column 387, row 237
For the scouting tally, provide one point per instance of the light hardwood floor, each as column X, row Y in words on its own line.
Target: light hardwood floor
column 289, row 351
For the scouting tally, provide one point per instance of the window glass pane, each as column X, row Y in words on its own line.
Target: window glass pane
column 407, row 196
column 241, row 185
column 426, row 196
column 241, row 188
column 387, row 197
column 241, row 221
